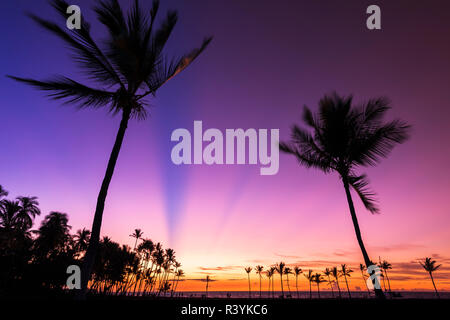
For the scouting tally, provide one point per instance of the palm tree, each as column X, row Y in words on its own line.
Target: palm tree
column 52, row 234
column 346, row 272
column 297, row 272
column 273, row 269
column 137, row 234
column 208, row 279
column 82, row 239
column 248, row 270
column 344, row 138
column 287, row 272
column 318, row 279
column 269, row 274
column 131, row 65
column 336, row 274
column 328, row 273
column 29, row 210
column 280, row 269
column 363, row 271
column 9, row 215
column 309, row 277
column 259, row 270
column 430, row 266
column 386, row 266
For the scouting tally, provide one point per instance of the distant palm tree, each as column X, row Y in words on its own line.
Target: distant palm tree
column 131, row 65
column 346, row 272
column 273, row 269
column 309, row 277
column 318, row 279
column 248, row 270
column 328, row 273
column 297, row 272
column 137, row 234
column 269, row 274
column 9, row 215
column 344, row 138
column 259, row 270
column 280, row 269
column 82, row 239
column 336, row 274
column 287, row 272
column 363, row 270
column 29, row 210
column 386, row 266
column 208, row 279
column 430, row 266
column 179, row 274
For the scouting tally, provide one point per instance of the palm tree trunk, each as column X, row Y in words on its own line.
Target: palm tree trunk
column 339, row 288
column 281, row 281
column 378, row 292
column 91, row 251
column 389, row 283
column 432, row 280
column 249, row 289
column 365, row 281
column 348, row 289
column 310, row 290
column 296, row 285
column 260, row 291
column 318, row 290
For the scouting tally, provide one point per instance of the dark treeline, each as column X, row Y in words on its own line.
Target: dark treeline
column 35, row 261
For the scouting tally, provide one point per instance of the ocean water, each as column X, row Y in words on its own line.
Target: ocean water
column 305, row 294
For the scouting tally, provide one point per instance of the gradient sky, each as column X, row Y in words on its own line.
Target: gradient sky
column 267, row 60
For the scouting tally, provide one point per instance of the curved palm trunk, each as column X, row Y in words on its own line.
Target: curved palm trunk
column 432, row 280
column 331, row 286
column 91, row 252
column 339, row 288
column 348, row 289
column 389, row 283
column 296, row 285
column 378, row 292
column 310, row 289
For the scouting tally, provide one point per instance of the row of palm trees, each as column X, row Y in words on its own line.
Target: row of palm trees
column 33, row 261
column 330, row 275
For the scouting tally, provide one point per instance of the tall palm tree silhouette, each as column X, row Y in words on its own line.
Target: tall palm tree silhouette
column 386, row 266
column 328, row 273
column 310, row 278
column 430, row 266
column 346, row 272
column 345, row 137
column 280, row 269
column 297, row 271
column 269, row 274
column 336, row 274
column 318, row 279
column 137, row 234
column 287, row 272
column 363, row 270
column 131, row 65
column 259, row 270
column 272, row 270
column 248, row 270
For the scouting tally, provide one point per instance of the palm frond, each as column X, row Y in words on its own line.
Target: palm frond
column 70, row 91
column 360, row 185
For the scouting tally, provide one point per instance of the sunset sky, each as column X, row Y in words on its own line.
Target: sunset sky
column 266, row 61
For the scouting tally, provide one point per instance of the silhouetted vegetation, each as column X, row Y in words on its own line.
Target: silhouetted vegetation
column 34, row 262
